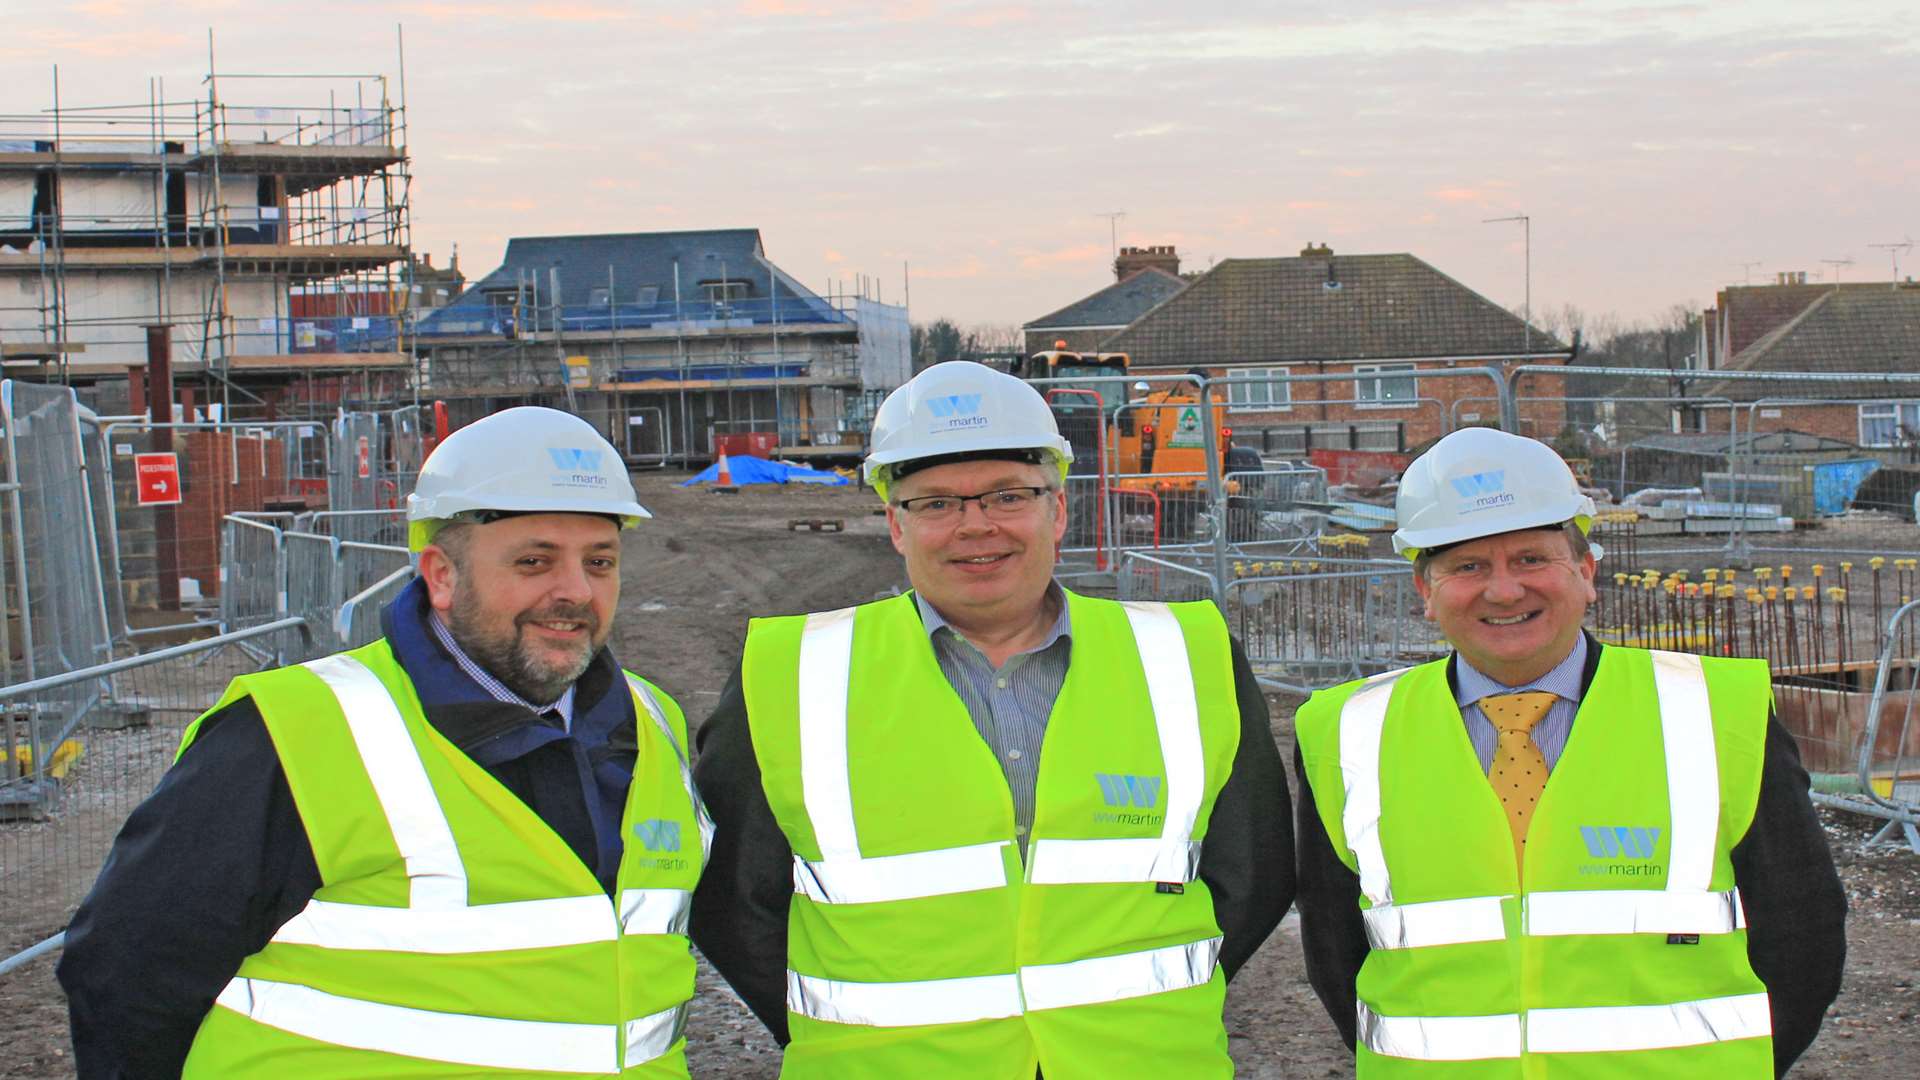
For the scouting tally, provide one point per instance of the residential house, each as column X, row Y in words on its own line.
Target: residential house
column 676, row 341
column 1377, row 322
column 1870, row 328
column 1146, row 277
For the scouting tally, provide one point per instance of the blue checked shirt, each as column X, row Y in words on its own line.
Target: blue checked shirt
column 1010, row 705
column 1550, row 734
column 562, row 708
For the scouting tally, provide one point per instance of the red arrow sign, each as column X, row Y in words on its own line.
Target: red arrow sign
column 158, row 477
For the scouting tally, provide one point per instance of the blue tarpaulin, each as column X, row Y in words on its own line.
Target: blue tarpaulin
column 1836, row 482
column 753, row 470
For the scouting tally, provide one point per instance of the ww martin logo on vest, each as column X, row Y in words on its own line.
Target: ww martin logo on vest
column 578, row 468
column 1628, row 851
column 1132, row 799
column 659, row 837
column 956, row 412
column 1482, row 491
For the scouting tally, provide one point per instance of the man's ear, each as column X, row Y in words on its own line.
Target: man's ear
column 1425, row 588
column 441, row 575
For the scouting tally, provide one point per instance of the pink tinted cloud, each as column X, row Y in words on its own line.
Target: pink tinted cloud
column 832, row 256
column 1457, row 194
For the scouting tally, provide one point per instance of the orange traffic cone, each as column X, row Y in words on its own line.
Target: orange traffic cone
column 723, row 478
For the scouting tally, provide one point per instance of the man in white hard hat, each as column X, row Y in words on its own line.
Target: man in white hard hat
column 1546, row 856
column 466, row 848
column 990, row 827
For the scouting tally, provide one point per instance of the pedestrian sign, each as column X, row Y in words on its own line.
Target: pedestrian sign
column 157, row 477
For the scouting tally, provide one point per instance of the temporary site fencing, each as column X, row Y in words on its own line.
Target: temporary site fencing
column 92, row 574
column 1741, row 514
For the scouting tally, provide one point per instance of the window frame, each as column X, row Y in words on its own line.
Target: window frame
column 1373, row 373
column 1238, row 401
column 1899, row 413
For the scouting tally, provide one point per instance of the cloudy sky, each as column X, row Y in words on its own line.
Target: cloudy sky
column 1662, row 150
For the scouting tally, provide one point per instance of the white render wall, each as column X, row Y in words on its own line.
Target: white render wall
column 108, row 312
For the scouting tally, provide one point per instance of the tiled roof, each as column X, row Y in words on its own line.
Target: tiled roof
column 1721, row 444
column 1854, row 329
column 1340, row 308
column 636, row 260
column 1117, row 304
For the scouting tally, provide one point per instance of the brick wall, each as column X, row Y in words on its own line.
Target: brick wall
column 1443, row 401
column 220, row 474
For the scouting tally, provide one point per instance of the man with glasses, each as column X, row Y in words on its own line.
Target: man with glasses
column 990, row 827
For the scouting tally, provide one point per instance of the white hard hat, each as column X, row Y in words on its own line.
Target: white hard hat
column 524, row 460
column 1482, row 482
column 963, row 408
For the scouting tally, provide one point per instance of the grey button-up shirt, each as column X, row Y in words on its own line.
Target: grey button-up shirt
column 1010, row 704
column 1550, row 734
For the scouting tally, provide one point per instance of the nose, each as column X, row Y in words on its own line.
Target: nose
column 570, row 584
column 1503, row 586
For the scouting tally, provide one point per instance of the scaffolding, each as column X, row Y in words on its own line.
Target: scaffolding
column 272, row 239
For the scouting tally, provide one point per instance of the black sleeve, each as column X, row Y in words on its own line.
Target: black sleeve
column 740, row 908
column 1247, row 859
column 1796, row 908
column 1333, row 933
column 203, row 873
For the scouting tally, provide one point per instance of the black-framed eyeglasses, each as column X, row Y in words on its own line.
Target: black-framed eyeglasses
column 1010, row 502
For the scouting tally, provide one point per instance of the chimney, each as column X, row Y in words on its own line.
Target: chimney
column 426, row 259
column 1790, row 277
column 1315, row 250
column 1132, row 260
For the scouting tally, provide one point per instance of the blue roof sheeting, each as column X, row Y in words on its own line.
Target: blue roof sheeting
column 631, row 281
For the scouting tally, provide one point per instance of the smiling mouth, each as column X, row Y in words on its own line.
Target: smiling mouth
column 983, row 560
column 1509, row 620
column 566, row 627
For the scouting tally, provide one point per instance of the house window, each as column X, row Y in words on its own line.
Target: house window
column 1374, row 385
column 720, row 292
column 1890, row 423
column 647, row 294
column 1257, row 396
column 598, row 296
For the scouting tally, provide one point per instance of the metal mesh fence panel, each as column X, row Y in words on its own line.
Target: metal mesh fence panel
column 1307, row 624
column 1151, row 577
column 252, row 574
column 59, row 815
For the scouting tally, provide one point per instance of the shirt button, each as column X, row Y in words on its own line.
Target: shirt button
column 1001, row 682
column 1019, row 830
column 1014, row 755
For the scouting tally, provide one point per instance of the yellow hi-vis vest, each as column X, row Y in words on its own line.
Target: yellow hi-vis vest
column 1622, row 949
column 454, row 933
column 919, row 945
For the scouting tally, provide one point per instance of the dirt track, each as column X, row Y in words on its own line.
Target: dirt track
column 708, row 562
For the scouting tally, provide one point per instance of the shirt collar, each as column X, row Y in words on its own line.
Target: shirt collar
column 931, row 618
column 1562, row 681
column 490, row 683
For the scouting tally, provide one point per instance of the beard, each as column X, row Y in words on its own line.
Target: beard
column 506, row 653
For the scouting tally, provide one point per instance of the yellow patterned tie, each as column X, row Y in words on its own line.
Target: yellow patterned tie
column 1519, row 772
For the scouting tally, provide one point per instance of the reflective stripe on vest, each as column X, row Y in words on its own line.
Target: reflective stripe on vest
column 1569, row 1031
column 843, row 876
column 1554, row 914
column 440, row 921
column 995, row 997
column 700, row 815
column 486, row 1042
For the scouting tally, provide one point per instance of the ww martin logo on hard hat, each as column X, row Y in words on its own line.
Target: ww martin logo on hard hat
column 1482, row 491
column 955, row 412
column 578, row 467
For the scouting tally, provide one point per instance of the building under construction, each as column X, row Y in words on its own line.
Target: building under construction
column 260, row 223
column 675, row 343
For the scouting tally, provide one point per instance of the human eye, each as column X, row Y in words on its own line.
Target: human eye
column 934, row 504
column 1010, row 498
